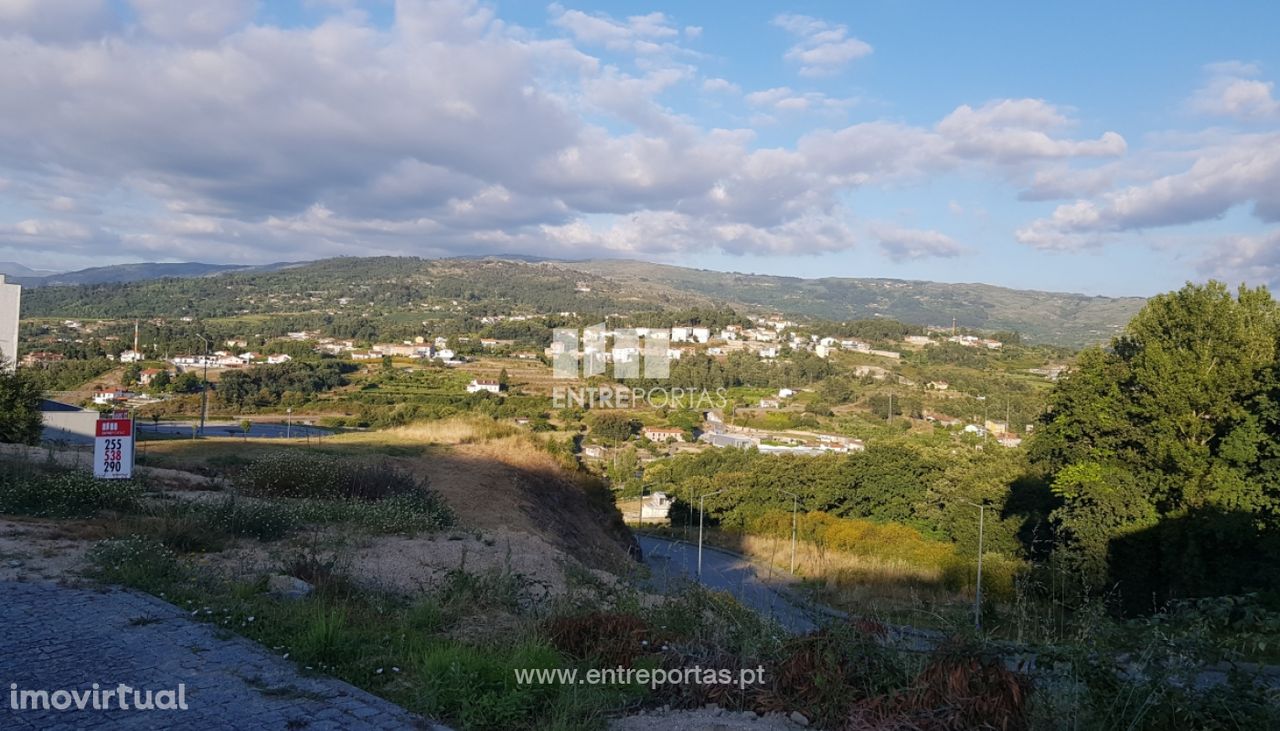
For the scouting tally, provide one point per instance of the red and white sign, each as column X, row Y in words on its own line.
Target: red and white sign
column 113, row 449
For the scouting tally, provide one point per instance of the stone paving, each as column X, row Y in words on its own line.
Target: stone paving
column 56, row 637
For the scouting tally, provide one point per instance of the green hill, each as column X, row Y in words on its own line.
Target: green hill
column 380, row 285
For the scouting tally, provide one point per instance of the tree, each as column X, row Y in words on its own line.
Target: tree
column 131, row 374
column 187, row 382
column 611, row 426
column 503, row 379
column 160, row 381
column 1176, row 419
column 20, row 420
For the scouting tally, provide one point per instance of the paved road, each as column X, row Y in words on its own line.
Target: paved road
column 259, row 430
column 673, row 561
column 56, row 637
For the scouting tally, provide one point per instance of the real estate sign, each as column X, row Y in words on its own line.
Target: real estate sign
column 113, row 449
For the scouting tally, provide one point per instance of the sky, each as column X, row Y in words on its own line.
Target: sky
column 1097, row 147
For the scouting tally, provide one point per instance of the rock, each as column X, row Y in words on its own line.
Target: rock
column 749, row 715
column 288, row 587
column 798, row 718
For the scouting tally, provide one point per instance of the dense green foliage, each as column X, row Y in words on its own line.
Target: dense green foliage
column 1165, row 450
column 927, row 488
column 20, row 420
column 287, row 383
column 68, row 374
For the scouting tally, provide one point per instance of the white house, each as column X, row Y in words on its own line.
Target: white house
column 786, row 392
column 656, row 506
column 278, row 358
column 111, row 396
column 484, row 384
column 701, row 334
column 130, row 356
column 662, row 433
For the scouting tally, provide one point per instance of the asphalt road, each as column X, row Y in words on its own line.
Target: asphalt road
column 673, row 562
column 259, row 430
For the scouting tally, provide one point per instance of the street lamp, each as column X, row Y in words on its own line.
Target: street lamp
column 701, row 502
column 795, row 511
column 977, row 597
column 204, row 384
column 288, row 422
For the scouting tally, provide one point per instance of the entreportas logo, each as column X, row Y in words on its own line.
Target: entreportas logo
column 636, row 354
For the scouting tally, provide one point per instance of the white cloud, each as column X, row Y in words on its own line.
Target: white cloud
column 1253, row 258
column 784, row 99
column 203, row 21
column 210, row 136
column 903, row 244
column 720, row 86
column 55, row 20
column 1240, row 170
column 1234, row 91
column 638, row 34
column 1013, row 130
column 823, row 48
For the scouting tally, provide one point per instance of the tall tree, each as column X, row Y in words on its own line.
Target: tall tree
column 1168, row 433
column 20, row 420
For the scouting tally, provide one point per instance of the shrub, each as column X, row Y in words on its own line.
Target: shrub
column 61, row 493
column 960, row 687
column 259, row 519
column 478, row 690
column 293, row 474
column 608, row 638
column 406, row 513
column 136, row 561
column 180, row 530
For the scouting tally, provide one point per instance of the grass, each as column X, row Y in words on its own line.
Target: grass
column 52, row 492
column 412, row 653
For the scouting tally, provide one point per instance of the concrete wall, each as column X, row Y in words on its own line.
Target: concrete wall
column 10, row 299
column 69, row 426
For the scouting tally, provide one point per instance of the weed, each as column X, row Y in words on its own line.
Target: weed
column 136, row 561
column 53, row 492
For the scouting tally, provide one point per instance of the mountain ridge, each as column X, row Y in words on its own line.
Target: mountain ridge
column 1061, row 318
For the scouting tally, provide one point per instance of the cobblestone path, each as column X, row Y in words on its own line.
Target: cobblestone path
column 63, row 638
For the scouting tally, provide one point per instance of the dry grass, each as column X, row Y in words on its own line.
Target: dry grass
column 459, row 430
column 838, row 567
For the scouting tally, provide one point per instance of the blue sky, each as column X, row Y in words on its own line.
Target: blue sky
column 1098, row 147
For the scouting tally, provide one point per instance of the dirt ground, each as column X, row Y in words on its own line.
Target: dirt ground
column 39, row 550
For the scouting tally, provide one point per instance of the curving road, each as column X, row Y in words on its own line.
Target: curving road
column 673, row 562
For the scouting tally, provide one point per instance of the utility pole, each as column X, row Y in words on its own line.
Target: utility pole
column 795, row 510
column 702, row 500
column 204, row 385
column 891, row 407
column 977, row 596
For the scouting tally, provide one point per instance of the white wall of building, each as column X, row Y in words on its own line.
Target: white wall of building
column 10, row 302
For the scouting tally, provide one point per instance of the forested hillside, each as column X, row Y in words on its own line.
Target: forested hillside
column 594, row 288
